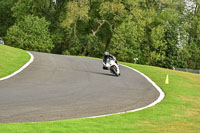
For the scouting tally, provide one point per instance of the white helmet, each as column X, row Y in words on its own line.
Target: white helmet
column 106, row 53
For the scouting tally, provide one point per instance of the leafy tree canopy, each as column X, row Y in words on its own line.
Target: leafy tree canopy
column 31, row 33
column 163, row 33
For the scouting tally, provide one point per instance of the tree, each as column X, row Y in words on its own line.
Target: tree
column 39, row 8
column 6, row 19
column 84, row 22
column 76, row 14
column 112, row 15
column 159, row 32
column 124, row 44
column 31, row 33
column 193, row 30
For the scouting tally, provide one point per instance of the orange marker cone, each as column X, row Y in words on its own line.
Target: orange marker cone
column 167, row 80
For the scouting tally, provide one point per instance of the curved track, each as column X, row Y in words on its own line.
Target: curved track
column 56, row 87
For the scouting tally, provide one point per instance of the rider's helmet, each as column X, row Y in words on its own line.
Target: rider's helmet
column 106, row 54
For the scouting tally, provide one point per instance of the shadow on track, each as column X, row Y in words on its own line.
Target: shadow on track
column 102, row 73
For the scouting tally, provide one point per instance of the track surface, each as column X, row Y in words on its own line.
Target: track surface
column 56, row 87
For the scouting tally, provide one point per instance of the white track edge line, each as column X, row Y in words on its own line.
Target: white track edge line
column 160, row 98
column 21, row 69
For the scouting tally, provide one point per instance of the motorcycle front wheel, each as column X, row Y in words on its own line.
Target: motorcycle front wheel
column 114, row 70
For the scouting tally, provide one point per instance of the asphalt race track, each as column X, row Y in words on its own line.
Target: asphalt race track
column 57, row 87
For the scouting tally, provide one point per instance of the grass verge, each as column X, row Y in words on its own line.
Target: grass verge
column 11, row 59
column 179, row 112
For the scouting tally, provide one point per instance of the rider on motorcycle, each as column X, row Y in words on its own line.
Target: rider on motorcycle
column 107, row 55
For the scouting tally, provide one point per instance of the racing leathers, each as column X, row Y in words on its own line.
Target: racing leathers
column 108, row 57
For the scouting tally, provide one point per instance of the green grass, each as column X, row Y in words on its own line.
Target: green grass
column 179, row 112
column 11, row 59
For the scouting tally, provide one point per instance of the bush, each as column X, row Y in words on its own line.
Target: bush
column 31, row 33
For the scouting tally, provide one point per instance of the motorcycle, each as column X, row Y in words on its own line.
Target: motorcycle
column 112, row 66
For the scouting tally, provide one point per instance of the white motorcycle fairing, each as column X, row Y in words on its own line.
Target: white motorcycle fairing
column 112, row 66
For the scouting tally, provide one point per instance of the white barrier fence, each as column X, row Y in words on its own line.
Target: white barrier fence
column 187, row 70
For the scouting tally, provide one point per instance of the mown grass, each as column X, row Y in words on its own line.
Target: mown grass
column 11, row 59
column 179, row 112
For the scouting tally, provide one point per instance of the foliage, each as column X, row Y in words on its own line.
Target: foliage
column 6, row 19
column 30, row 34
column 162, row 33
column 31, row 7
column 124, row 42
column 193, row 30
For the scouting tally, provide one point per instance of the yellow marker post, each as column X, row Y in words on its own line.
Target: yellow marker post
column 167, row 80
